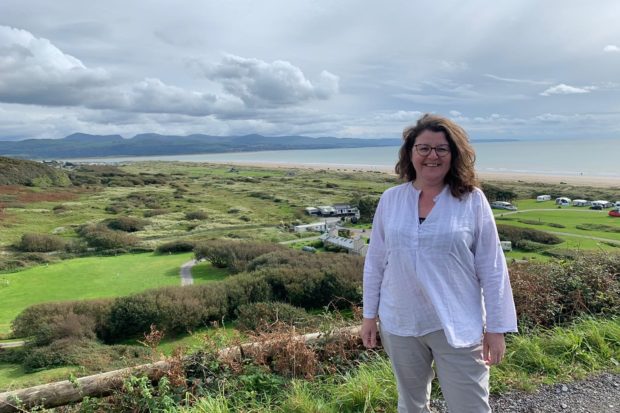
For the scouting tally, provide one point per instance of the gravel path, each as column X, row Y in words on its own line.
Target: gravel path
column 186, row 273
column 597, row 394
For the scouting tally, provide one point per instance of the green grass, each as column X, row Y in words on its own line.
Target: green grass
column 12, row 376
column 92, row 277
column 561, row 354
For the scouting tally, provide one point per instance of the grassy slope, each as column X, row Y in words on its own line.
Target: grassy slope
column 81, row 278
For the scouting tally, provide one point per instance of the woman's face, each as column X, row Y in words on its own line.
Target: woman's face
column 431, row 168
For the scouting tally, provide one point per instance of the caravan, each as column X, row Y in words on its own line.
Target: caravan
column 542, row 198
column 562, row 201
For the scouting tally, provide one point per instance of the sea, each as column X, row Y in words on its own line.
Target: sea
column 596, row 158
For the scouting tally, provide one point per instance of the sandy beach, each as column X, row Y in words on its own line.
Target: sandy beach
column 578, row 180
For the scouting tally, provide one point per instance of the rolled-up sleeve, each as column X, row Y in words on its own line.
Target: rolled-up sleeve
column 492, row 271
column 374, row 264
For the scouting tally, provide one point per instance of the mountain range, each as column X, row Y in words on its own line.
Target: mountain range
column 81, row 145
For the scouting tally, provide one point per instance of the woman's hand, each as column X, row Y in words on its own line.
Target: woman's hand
column 493, row 348
column 369, row 332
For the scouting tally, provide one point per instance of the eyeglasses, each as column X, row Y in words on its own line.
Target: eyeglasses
column 425, row 150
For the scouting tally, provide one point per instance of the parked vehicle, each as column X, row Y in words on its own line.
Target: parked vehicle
column 562, row 201
column 542, row 198
column 597, row 207
column 503, row 205
column 581, row 202
column 604, row 204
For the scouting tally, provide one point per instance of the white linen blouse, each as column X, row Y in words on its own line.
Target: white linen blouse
column 448, row 272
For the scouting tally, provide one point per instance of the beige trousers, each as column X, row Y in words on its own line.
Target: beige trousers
column 463, row 375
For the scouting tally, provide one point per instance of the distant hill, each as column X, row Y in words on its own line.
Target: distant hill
column 22, row 172
column 80, row 145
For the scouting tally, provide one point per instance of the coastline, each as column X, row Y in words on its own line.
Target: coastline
column 577, row 180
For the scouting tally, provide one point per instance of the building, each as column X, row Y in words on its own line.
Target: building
column 327, row 211
column 315, row 226
column 312, row 211
column 356, row 246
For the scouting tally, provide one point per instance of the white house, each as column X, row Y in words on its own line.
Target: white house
column 506, row 245
column 542, row 198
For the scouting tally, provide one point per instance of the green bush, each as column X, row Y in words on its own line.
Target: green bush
column 41, row 243
column 175, row 247
column 530, row 246
column 560, row 291
column 155, row 212
column 516, row 234
column 235, row 255
column 101, row 237
column 261, row 315
column 126, row 224
column 196, row 215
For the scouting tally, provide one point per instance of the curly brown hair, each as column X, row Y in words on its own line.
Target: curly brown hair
column 461, row 177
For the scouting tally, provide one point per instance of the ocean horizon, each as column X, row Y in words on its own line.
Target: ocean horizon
column 589, row 158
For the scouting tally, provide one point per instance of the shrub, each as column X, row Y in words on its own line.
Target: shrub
column 175, row 247
column 515, row 234
column 262, row 315
column 232, row 254
column 530, row 246
column 126, row 224
column 196, row 215
column 51, row 321
column 155, row 212
column 560, row 291
column 41, row 243
column 101, row 237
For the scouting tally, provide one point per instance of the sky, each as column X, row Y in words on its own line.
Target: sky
column 509, row 69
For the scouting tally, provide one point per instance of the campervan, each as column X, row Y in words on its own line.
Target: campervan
column 580, row 202
column 542, row 198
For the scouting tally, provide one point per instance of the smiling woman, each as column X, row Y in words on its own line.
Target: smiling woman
column 83, row 278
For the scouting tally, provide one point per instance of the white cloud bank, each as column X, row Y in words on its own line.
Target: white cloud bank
column 563, row 89
column 611, row 48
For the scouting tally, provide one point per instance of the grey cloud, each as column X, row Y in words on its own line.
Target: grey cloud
column 257, row 82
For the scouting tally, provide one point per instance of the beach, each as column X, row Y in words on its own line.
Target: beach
column 576, row 180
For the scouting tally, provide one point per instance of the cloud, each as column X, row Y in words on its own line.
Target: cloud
column 257, row 82
column 514, row 80
column 33, row 70
column 563, row 89
column 611, row 48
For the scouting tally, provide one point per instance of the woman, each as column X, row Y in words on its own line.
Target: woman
column 435, row 274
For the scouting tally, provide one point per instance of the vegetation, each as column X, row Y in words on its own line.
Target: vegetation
column 233, row 218
column 30, row 173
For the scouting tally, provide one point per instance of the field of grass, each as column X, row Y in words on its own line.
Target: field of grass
column 12, row 376
column 92, row 277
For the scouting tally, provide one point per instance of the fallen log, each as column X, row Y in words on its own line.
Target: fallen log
column 100, row 385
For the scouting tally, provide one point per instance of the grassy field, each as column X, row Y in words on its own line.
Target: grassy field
column 92, row 277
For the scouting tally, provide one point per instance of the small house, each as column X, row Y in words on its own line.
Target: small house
column 506, row 245
column 542, row 198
